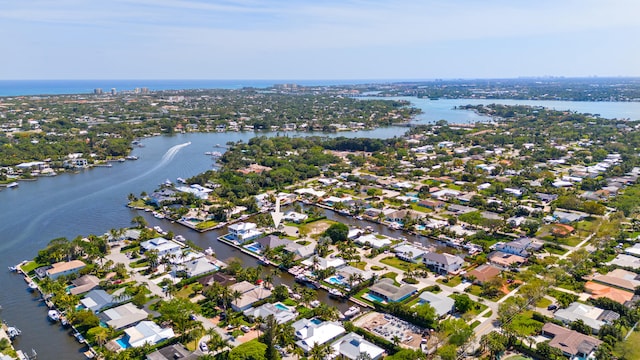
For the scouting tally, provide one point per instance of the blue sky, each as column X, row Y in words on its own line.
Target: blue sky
column 317, row 39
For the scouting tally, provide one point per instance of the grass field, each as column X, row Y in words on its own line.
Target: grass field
column 397, row 263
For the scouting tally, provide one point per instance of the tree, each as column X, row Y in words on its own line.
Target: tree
column 463, row 303
column 337, row 232
column 494, row 342
column 251, row 350
column 270, row 337
column 139, row 221
column 581, row 327
column 448, row 352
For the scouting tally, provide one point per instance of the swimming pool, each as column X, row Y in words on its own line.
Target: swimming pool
column 316, row 321
column 281, row 306
column 336, row 280
column 255, row 247
column 123, row 343
column 420, row 227
column 374, row 298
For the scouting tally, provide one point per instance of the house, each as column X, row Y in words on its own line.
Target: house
column 146, row 332
column 83, row 284
column 603, row 291
column 625, row 261
column 445, row 194
column 399, row 216
column 564, row 217
column 505, row 260
column 570, row 342
column 352, row 345
column 409, row 253
column 173, row 352
column 161, row 245
column 441, row 303
column 198, row 267
column 64, row 268
column 372, row 240
column 271, row 242
column 123, row 316
column 592, row 316
column 159, row 197
column 280, row 312
column 483, row 273
column 443, row 263
column 389, row 292
column 520, row 247
column 324, row 263
column 222, row 279
column 315, row 332
column 98, row 299
column 432, row 204
column 619, row 278
column 295, row 217
column 250, row 294
column 242, row 232
column 633, row 250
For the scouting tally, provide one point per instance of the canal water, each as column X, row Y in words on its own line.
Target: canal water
column 93, row 202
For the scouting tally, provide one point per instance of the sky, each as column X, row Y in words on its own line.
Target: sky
column 317, row 39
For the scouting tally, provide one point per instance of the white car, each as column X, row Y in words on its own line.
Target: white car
column 204, row 347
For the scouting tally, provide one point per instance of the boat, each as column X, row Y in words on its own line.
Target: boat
column 122, row 160
column 181, row 180
column 301, row 278
column 264, row 261
column 63, row 321
column 132, row 157
column 314, row 303
column 12, row 332
column 158, row 215
column 352, row 311
column 79, row 337
column 180, row 238
column 13, row 268
column 208, row 251
column 32, row 286
column 13, row 184
column 168, row 182
column 335, row 293
column 208, row 153
column 53, row 315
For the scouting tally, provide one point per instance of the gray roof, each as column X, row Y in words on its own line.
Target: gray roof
column 175, row 351
column 442, row 304
column 443, row 259
column 388, row 289
column 281, row 316
column 95, row 300
column 123, row 316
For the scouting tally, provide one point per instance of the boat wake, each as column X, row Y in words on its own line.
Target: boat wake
column 37, row 221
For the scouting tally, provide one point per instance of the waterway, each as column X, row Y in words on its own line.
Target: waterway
column 93, row 202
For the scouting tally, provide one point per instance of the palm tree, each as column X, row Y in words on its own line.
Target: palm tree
column 139, row 221
column 298, row 352
column 317, row 352
column 395, row 340
column 259, row 321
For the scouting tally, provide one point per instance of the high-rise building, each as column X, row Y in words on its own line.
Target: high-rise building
column 97, row 91
column 113, row 91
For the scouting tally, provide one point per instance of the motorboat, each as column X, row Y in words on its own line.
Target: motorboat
column 352, row 311
column 132, row 157
column 208, row 251
column 32, row 286
column 158, row 215
column 314, row 303
column 181, row 180
column 335, row 293
column 180, row 238
column 53, row 315
column 13, row 184
column 12, row 332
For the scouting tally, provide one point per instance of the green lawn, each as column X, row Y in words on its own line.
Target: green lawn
column 391, row 275
column 416, row 207
column 30, row 266
column 543, row 303
column 206, row 224
column 454, row 281
column 397, row 263
column 629, row 348
column 524, row 324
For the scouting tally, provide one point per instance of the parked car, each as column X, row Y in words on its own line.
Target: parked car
column 245, row 328
column 204, row 347
column 552, row 307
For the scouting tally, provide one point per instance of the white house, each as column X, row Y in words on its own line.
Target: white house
column 199, row 266
column 147, row 332
column 315, row 332
column 443, row 263
column 352, row 345
column 373, row 241
column 161, row 245
column 242, row 231
column 409, row 253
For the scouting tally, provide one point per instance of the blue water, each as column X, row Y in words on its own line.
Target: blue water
column 253, row 247
column 374, row 298
column 335, row 280
column 316, row 321
column 281, row 307
column 123, row 343
column 57, row 87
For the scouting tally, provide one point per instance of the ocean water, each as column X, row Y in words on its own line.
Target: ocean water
column 58, row 87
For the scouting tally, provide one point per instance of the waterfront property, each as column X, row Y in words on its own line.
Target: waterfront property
column 64, row 268
column 161, row 245
column 352, row 345
column 146, row 332
column 281, row 312
column 123, row 316
column 387, row 291
column 250, row 294
column 98, row 299
column 243, row 231
column 443, row 263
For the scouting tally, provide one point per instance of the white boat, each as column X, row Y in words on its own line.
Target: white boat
column 168, row 182
column 208, row 251
column 314, row 303
column 13, row 184
column 13, row 268
column 122, row 160
column 352, row 311
column 132, row 157
column 181, row 180
column 64, row 321
column 180, row 238
column 335, row 293
column 12, row 332
column 32, row 286
column 158, row 215
column 53, row 315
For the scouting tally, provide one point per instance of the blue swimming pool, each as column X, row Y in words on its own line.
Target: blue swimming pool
column 123, row 343
column 316, row 321
column 374, row 298
column 255, row 247
column 336, row 280
column 420, row 227
column 281, row 306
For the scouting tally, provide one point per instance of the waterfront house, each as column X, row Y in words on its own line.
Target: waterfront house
column 352, row 345
column 243, row 232
column 250, row 294
column 147, row 332
column 504, row 260
column 221, row 278
column 441, row 303
column 372, row 240
column 443, row 263
column 96, row 300
column 295, row 217
column 83, row 284
column 281, row 313
column 409, row 253
column 64, row 268
column 312, row 332
column 520, row 247
column 386, row 289
column 161, row 245
column 592, row 316
column 123, row 316
column 325, row 263
column 572, row 343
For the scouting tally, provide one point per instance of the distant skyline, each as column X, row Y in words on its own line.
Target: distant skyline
column 328, row 39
